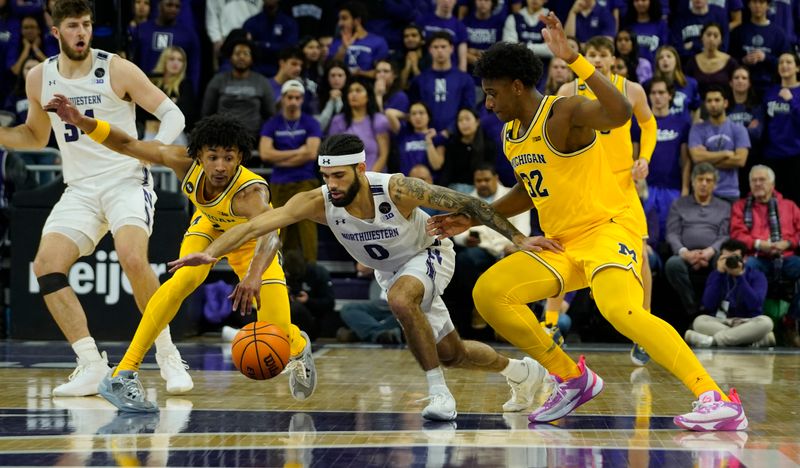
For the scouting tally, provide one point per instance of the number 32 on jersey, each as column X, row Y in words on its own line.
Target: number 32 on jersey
column 533, row 180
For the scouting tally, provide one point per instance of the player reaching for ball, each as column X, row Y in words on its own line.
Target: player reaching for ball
column 225, row 195
column 377, row 218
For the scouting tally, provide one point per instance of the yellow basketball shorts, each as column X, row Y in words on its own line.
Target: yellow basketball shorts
column 613, row 244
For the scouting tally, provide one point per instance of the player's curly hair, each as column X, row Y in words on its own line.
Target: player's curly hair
column 512, row 61
column 223, row 131
column 340, row 145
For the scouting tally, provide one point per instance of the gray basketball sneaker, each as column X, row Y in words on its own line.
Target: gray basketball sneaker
column 302, row 372
column 126, row 392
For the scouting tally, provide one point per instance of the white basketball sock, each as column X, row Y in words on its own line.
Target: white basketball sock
column 516, row 370
column 164, row 343
column 435, row 378
column 86, row 349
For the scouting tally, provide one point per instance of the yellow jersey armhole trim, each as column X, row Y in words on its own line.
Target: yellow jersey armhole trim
column 244, row 186
column 188, row 175
column 190, row 233
column 222, row 195
column 550, row 145
column 536, row 117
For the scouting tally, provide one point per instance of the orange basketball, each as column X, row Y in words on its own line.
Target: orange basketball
column 260, row 350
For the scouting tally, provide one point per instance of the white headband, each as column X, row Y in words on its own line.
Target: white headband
column 341, row 160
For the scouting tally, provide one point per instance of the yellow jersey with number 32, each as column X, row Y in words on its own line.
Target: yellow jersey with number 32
column 572, row 192
column 219, row 211
column 617, row 141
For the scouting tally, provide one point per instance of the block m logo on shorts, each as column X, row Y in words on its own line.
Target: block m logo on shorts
column 624, row 250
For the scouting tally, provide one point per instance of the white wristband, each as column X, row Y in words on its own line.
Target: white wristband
column 757, row 244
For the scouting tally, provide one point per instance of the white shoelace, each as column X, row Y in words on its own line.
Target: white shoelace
column 436, row 398
column 133, row 388
column 298, row 367
column 175, row 361
column 557, row 390
column 78, row 371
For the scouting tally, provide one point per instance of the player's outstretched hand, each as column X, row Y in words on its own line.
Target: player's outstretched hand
column 539, row 243
column 555, row 37
column 65, row 110
column 245, row 292
column 448, row 225
column 193, row 259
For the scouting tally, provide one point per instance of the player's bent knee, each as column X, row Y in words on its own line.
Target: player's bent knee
column 487, row 290
column 52, row 282
column 133, row 261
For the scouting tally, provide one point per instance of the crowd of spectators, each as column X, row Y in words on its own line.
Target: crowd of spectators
column 721, row 77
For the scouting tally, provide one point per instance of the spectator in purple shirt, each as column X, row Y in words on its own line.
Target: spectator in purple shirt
column 745, row 107
column 330, row 93
column 29, row 45
column 289, row 141
column 733, row 302
column 391, row 99
column 17, row 101
column 503, row 8
column 668, row 178
column 640, row 70
column 668, row 66
column 757, row 43
column 782, row 104
column 360, row 117
column 731, row 10
column 644, row 18
column 721, row 142
column 290, row 67
column 271, row 31
column 687, row 29
column 412, row 58
column 443, row 88
column 483, row 30
column 442, row 19
column 9, row 29
column 418, row 143
column 786, row 14
column 358, row 48
column 525, row 27
column 153, row 36
column 587, row 19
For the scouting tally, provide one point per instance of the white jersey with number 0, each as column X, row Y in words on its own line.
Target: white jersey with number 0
column 386, row 242
column 82, row 158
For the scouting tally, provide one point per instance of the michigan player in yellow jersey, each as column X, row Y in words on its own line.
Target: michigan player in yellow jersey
column 619, row 149
column 225, row 194
column 562, row 169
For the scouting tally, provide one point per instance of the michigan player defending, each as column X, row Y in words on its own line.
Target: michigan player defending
column 376, row 217
column 225, row 194
column 619, row 149
column 105, row 191
column 553, row 144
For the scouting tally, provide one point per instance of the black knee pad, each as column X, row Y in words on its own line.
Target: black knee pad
column 52, row 282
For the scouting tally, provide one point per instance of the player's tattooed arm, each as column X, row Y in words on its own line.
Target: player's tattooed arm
column 412, row 192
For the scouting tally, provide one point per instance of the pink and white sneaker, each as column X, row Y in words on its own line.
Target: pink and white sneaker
column 711, row 413
column 568, row 395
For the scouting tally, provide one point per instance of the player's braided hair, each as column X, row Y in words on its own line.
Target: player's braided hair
column 221, row 131
column 342, row 144
column 506, row 60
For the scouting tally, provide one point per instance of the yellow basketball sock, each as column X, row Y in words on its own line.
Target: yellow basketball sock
column 501, row 297
column 551, row 317
column 275, row 309
column 160, row 311
column 618, row 294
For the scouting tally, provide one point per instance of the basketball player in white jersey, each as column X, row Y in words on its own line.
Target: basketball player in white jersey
column 105, row 190
column 376, row 217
